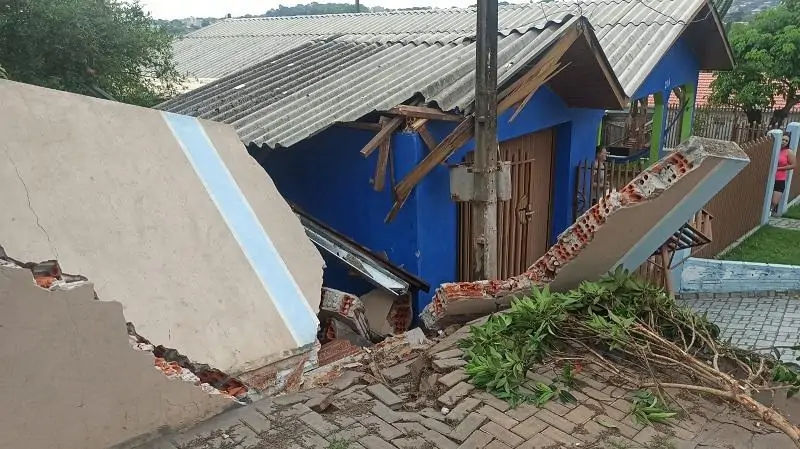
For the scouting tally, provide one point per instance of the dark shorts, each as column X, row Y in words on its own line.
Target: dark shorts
column 780, row 186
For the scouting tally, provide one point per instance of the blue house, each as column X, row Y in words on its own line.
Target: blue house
column 310, row 96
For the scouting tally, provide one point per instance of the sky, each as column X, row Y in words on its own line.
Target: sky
column 178, row 9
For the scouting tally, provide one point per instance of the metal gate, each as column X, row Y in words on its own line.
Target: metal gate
column 523, row 223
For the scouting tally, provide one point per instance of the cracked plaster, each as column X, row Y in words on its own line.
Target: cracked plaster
column 73, row 380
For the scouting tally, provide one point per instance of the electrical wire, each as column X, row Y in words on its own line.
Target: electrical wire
column 670, row 20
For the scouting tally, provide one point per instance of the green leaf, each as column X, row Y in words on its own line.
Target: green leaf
column 607, row 423
column 566, row 397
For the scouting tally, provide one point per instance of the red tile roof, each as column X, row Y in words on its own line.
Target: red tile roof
column 704, row 92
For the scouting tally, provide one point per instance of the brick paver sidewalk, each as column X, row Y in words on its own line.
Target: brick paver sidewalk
column 754, row 320
column 377, row 416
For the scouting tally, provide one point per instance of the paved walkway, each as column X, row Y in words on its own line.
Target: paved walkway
column 754, row 322
column 785, row 223
column 357, row 412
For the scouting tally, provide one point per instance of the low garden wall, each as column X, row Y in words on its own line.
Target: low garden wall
column 727, row 276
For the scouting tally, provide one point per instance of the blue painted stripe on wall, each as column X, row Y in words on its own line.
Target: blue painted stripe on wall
column 695, row 200
column 243, row 223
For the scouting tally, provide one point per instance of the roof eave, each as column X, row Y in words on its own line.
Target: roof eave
column 719, row 54
column 589, row 80
column 622, row 99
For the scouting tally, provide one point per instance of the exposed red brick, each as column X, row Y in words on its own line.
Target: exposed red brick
column 336, row 350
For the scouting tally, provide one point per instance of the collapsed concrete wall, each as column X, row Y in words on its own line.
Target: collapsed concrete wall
column 168, row 215
column 72, row 380
column 623, row 229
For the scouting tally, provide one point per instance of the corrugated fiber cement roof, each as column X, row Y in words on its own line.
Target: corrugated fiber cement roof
column 304, row 73
column 288, row 97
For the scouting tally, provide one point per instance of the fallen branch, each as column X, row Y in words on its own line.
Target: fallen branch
column 618, row 315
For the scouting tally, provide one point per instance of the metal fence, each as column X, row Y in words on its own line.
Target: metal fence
column 593, row 182
column 653, row 272
column 723, row 123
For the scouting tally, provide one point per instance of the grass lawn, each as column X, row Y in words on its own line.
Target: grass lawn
column 793, row 212
column 770, row 245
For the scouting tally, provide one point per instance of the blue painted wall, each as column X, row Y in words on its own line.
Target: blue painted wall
column 327, row 176
column 678, row 67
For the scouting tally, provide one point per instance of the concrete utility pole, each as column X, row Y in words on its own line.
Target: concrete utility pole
column 358, row 6
column 484, row 207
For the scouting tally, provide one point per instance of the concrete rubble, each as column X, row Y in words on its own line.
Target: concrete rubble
column 180, row 230
column 414, row 402
column 183, row 227
column 623, row 229
column 72, row 367
column 346, row 308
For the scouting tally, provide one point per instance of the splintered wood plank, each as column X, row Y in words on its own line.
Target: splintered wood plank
column 427, row 137
column 383, row 161
column 382, row 135
column 446, row 147
column 425, row 112
column 360, row 125
column 530, row 82
column 419, row 123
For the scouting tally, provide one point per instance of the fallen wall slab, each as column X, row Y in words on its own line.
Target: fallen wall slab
column 168, row 215
column 72, row 380
column 623, row 229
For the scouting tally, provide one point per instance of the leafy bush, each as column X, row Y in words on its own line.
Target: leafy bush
column 631, row 319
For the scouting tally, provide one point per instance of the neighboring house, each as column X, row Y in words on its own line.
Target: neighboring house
column 704, row 93
column 307, row 92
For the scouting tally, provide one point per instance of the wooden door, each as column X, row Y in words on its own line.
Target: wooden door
column 523, row 223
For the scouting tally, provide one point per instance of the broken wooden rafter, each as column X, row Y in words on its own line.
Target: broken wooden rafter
column 417, row 124
column 543, row 71
column 444, row 150
column 385, row 133
column 519, row 93
column 427, row 137
column 360, row 125
column 425, row 112
column 383, row 162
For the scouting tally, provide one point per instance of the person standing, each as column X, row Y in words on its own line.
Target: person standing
column 599, row 167
column 786, row 162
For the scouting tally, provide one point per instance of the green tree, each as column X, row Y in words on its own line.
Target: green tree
column 95, row 47
column 767, row 51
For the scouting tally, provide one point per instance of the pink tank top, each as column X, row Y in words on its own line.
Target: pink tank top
column 783, row 160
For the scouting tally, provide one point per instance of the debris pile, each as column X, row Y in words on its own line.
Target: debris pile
column 623, row 228
column 72, row 329
column 633, row 330
column 174, row 365
column 345, row 308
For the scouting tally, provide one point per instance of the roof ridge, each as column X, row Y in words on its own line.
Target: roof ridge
column 356, row 14
column 452, row 10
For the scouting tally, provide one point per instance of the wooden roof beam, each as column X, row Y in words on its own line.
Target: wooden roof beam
column 361, row 125
column 425, row 112
column 460, row 136
column 385, row 133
